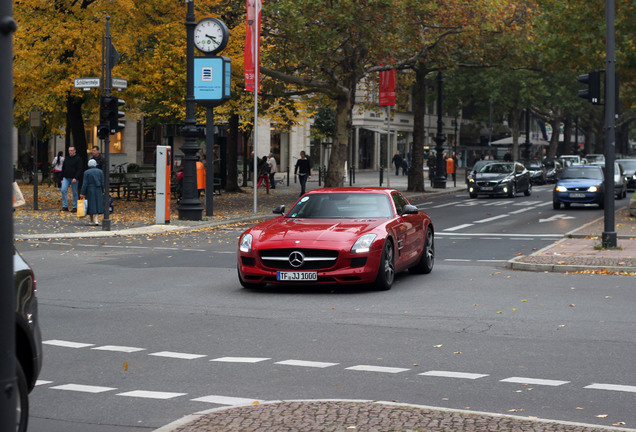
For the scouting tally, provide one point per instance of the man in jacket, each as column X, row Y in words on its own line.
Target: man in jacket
column 71, row 172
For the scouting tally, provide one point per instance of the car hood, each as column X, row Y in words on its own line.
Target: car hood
column 571, row 183
column 307, row 231
column 491, row 176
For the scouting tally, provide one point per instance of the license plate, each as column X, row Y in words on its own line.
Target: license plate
column 577, row 195
column 297, row 276
column 487, row 188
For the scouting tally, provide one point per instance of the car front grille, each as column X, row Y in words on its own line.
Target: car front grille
column 298, row 259
column 487, row 184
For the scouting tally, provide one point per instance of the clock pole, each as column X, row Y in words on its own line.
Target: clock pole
column 190, row 207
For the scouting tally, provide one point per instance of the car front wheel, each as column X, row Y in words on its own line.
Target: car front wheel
column 528, row 191
column 22, row 404
column 556, row 204
column 386, row 272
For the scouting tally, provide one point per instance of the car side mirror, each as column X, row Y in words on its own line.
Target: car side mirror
column 410, row 209
column 279, row 209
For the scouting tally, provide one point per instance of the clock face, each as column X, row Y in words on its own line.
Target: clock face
column 210, row 35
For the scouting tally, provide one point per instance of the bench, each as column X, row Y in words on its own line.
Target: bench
column 117, row 182
column 140, row 185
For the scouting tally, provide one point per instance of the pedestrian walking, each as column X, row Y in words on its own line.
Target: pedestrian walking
column 71, row 172
column 405, row 167
column 303, row 171
column 98, row 157
column 397, row 161
column 263, row 173
column 431, row 163
column 57, row 163
column 273, row 168
column 93, row 191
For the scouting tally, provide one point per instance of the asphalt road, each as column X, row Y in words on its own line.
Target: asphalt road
column 141, row 331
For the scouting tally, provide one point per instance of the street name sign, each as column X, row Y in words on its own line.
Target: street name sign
column 87, row 83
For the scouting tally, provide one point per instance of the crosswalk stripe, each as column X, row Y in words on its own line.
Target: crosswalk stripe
column 534, row 381
column 151, row 394
column 177, row 355
column 369, row 368
column 449, row 374
column 304, row 363
column 117, row 348
column 83, row 388
column 240, row 359
column 226, row 400
column 614, row 387
column 67, row 344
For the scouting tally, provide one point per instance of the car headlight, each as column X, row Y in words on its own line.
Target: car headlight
column 561, row 189
column 363, row 244
column 593, row 189
column 245, row 244
column 471, row 180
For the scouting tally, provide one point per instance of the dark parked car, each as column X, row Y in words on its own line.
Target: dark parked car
column 579, row 184
column 629, row 168
column 538, row 172
column 620, row 184
column 500, row 178
column 28, row 340
column 553, row 169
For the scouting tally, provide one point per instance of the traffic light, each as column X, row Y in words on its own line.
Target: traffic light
column 105, row 107
column 593, row 91
column 115, row 115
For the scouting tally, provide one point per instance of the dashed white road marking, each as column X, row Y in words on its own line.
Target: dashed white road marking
column 177, row 355
column 369, row 368
column 450, row 374
column 457, row 260
column 614, row 387
column 534, row 381
column 117, row 348
column 490, row 219
column 227, row 400
column 83, row 388
column 42, row 382
column 304, row 363
column 67, row 344
column 240, row 359
column 458, row 227
column 151, row 394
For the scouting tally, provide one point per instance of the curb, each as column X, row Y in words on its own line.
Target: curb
column 193, row 417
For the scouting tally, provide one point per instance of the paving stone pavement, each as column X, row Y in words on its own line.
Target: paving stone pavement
column 363, row 416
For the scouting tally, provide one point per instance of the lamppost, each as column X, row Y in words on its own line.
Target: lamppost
column 440, row 179
column 190, row 207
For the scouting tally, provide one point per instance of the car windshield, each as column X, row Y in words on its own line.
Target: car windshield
column 628, row 164
column 550, row 164
column 582, row 173
column 496, row 168
column 342, row 206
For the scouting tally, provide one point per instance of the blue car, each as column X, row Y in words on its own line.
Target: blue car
column 579, row 184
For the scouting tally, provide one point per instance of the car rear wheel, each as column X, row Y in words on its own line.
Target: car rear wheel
column 427, row 260
column 22, row 404
column 386, row 272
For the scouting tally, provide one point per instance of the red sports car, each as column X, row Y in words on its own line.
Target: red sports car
column 338, row 236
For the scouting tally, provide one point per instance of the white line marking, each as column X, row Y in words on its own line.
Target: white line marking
column 521, row 210
column 304, row 363
column 226, row 400
column 151, row 394
column 183, row 356
column 113, row 246
column 447, row 204
column 83, row 388
column 457, row 260
column 240, row 359
column 490, row 219
column 558, row 236
column 67, row 344
column 369, row 368
column 614, row 387
column 491, row 260
column 42, row 382
column 490, row 238
column 458, row 227
column 59, row 244
column 534, row 381
column 116, row 348
column 449, row 374
column 166, row 248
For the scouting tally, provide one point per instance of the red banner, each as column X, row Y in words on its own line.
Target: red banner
column 252, row 38
column 388, row 81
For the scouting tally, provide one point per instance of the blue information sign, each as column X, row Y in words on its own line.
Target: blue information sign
column 212, row 80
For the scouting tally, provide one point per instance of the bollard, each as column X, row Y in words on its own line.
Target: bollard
column 288, row 176
column 381, row 174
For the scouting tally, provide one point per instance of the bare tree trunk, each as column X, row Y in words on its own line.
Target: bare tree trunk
column 554, row 139
column 416, row 174
column 338, row 156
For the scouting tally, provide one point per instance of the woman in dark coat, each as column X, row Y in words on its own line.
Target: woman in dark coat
column 93, row 191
